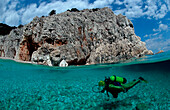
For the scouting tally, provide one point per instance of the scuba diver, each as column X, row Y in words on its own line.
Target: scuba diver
column 115, row 85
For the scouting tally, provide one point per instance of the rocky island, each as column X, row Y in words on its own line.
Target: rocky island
column 89, row 36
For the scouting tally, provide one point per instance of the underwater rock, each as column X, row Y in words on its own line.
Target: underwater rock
column 89, row 36
column 142, row 106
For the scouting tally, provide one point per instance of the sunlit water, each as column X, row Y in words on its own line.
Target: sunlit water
column 28, row 86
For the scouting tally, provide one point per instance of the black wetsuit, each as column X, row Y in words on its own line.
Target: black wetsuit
column 113, row 92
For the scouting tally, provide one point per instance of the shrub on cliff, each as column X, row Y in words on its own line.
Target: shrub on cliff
column 5, row 29
column 74, row 10
column 20, row 26
column 52, row 12
column 95, row 9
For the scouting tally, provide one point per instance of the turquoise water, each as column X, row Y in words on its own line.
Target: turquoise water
column 29, row 86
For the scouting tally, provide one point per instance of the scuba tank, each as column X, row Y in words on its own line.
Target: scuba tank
column 118, row 79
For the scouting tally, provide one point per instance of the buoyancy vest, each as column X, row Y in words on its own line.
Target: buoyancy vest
column 118, row 79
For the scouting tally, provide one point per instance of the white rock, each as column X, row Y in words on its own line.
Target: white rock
column 63, row 63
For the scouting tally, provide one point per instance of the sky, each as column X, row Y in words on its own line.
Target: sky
column 151, row 18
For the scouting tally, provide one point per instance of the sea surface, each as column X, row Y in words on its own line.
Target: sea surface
column 38, row 87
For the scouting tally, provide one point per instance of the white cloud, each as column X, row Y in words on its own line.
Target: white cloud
column 101, row 3
column 155, row 34
column 150, row 8
column 162, row 12
column 120, row 11
column 13, row 5
column 158, row 43
column 117, row 2
column 168, row 4
column 155, row 30
column 134, row 12
column 11, row 16
column 132, row 8
column 131, row 3
column 160, row 40
column 162, row 27
column 146, row 35
column 44, row 8
column 3, row 4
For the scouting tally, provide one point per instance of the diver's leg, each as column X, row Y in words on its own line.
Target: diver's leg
column 130, row 84
column 114, row 93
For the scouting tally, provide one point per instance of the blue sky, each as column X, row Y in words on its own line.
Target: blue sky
column 151, row 18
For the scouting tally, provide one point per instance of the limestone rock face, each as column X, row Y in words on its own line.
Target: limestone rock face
column 9, row 44
column 150, row 52
column 88, row 36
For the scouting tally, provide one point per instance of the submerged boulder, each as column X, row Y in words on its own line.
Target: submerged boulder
column 89, row 36
column 142, row 106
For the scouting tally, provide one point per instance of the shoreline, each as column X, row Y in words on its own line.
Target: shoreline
column 20, row 61
column 29, row 62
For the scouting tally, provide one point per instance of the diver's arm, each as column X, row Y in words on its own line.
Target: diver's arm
column 111, row 86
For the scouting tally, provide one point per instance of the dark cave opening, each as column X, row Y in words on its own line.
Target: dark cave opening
column 32, row 46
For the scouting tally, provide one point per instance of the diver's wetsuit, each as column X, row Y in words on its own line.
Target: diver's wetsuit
column 124, row 87
column 113, row 92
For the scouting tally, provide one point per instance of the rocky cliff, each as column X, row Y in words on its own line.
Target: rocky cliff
column 89, row 36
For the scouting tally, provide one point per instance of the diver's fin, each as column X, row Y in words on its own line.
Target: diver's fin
column 143, row 80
